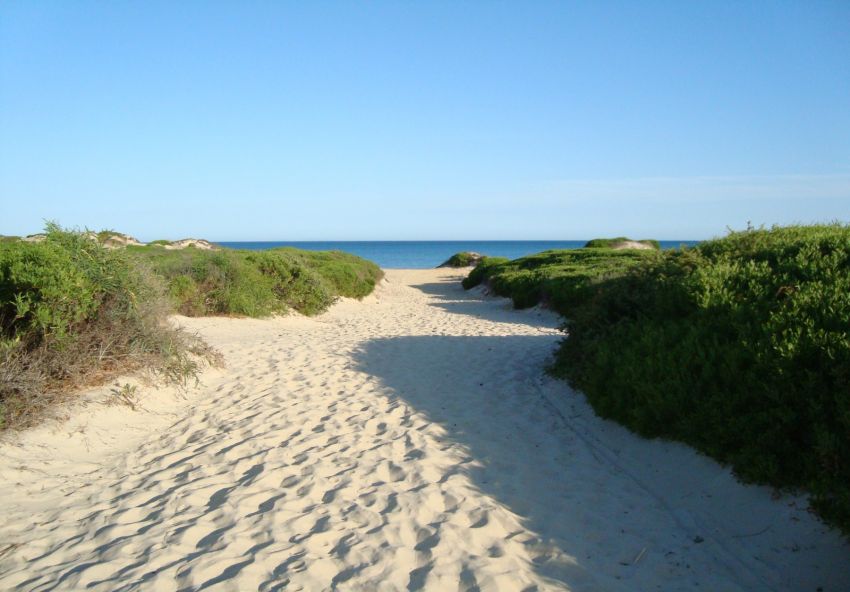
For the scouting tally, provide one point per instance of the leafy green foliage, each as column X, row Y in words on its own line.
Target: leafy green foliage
column 481, row 272
column 72, row 310
column 349, row 275
column 259, row 283
column 739, row 347
column 462, row 259
column 558, row 278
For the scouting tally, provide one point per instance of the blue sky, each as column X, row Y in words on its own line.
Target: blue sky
column 429, row 120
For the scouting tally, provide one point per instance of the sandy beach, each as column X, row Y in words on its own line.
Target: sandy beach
column 407, row 442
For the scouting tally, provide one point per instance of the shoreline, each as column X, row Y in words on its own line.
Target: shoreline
column 410, row 440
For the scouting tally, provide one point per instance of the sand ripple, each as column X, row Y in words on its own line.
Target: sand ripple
column 409, row 442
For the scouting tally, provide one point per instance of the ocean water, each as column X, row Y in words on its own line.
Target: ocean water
column 427, row 254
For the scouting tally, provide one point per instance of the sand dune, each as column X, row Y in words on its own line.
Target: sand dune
column 407, row 442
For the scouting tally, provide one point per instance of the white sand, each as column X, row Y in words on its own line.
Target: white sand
column 407, row 442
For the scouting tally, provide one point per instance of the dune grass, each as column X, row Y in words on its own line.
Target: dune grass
column 739, row 347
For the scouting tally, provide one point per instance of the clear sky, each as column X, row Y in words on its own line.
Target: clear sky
column 423, row 120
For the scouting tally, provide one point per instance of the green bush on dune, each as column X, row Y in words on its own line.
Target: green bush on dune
column 558, row 278
column 739, row 347
column 463, row 259
column 348, row 275
column 482, row 271
column 73, row 312
column 211, row 282
column 259, row 283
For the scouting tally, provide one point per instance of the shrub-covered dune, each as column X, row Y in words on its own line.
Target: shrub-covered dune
column 463, row 259
column 557, row 278
column 739, row 347
column 258, row 283
column 74, row 312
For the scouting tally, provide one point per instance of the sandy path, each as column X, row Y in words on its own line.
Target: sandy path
column 408, row 442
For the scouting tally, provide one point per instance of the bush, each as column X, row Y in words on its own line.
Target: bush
column 348, row 275
column 73, row 312
column 463, row 259
column 482, row 270
column 258, row 283
column 739, row 347
column 558, row 278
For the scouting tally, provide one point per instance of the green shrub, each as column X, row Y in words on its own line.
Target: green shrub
column 73, row 312
column 558, row 278
column 348, row 275
column 293, row 283
column 739, row 347
column 462, row 259
column 258, row 283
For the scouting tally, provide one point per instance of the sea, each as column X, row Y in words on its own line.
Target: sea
column 429, row 254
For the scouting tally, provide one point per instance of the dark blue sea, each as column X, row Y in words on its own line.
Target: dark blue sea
column 427, row 254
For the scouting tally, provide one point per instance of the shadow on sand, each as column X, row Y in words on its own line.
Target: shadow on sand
column 488, row 409
column 450, row 296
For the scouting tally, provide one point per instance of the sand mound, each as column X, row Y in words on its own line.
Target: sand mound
column 630, row 244
column 197, row 243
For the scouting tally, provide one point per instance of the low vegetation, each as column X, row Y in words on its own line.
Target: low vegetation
column 739, row 347
column 462, row 259
column 73, row 312
column 258, row 283
column 559, row 278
